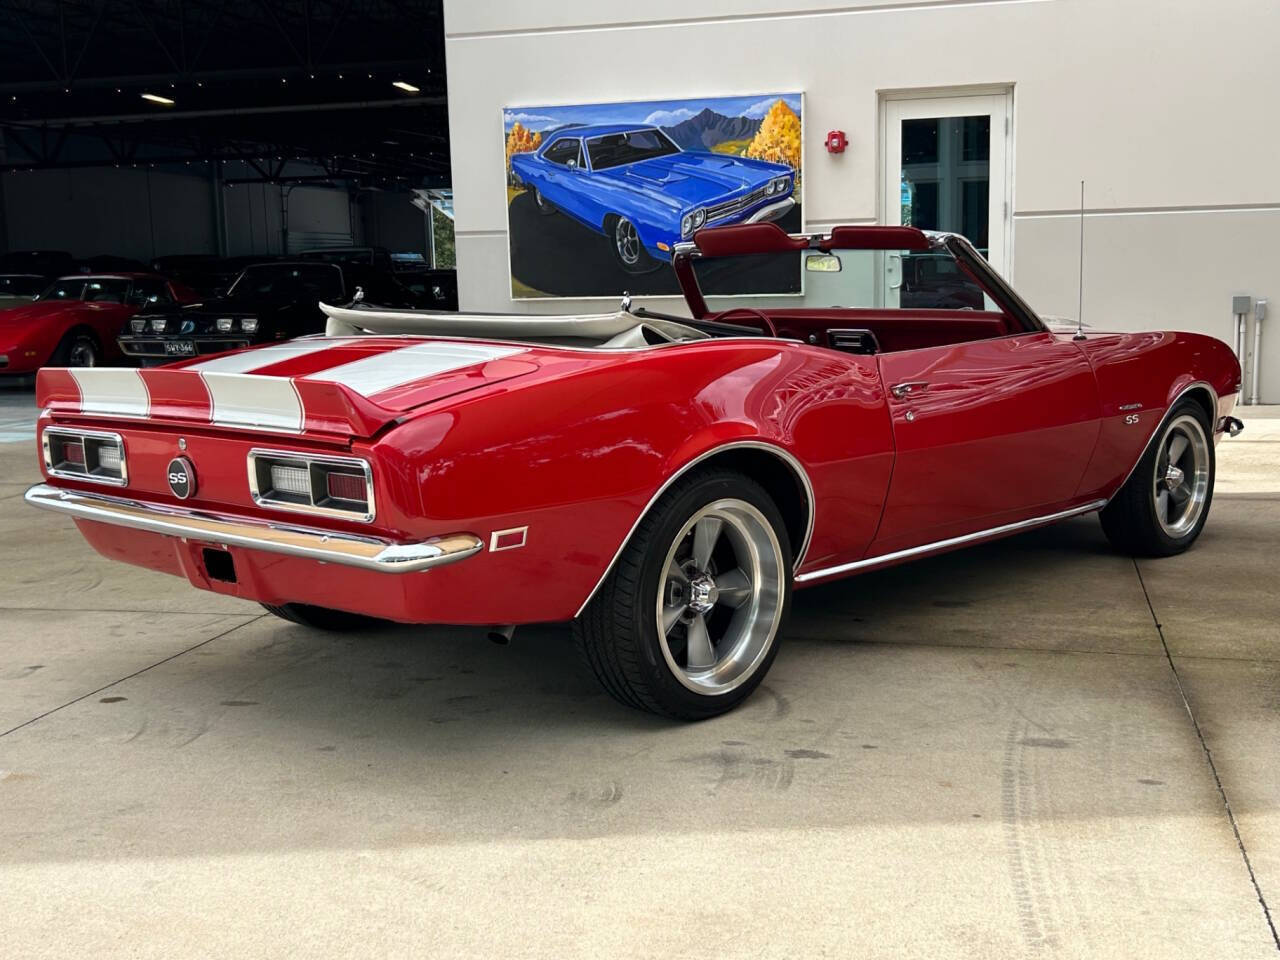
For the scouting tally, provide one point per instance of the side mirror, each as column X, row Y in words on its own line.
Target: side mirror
column 822, row 263
column 572, row 164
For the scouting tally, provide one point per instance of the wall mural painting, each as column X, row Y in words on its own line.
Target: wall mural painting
column 598, row 194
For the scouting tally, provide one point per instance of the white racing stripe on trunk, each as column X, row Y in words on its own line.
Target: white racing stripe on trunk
column 398, row 367
column 262, row 357
column 104, row 390
column 243, row 400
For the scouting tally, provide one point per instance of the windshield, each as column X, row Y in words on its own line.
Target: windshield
column 319, row 280
column 616, row 149
column 845, row 278
column 20, row 286
column 89, row 289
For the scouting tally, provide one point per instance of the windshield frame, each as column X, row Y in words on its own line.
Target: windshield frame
column 772, row 239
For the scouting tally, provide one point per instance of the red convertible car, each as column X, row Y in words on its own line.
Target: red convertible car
column 74, row 321
column 664, row 482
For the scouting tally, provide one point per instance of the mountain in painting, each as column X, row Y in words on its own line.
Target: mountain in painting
column 703, row 131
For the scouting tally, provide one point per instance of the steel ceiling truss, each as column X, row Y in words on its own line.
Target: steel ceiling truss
column 71, row 73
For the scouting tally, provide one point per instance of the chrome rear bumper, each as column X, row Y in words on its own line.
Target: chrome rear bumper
column 368, row 553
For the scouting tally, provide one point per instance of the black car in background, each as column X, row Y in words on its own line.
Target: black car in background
column 437, row 289
column 267, row 302
column 49, row 264
column 206, row 273
column 377, row 257
column 110, row 263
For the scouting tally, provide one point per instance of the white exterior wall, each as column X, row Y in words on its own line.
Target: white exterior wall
column 1167, row 108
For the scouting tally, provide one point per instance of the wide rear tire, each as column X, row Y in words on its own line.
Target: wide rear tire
column 1164, row 504
column 688, row 621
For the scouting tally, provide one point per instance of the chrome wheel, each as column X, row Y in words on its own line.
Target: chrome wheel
column 720, row 597
column 83, row 353
column 1181, row 482
column 626, row 241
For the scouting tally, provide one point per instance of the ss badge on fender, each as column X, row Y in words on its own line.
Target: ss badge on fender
column 182, row 477
column 1131, row 419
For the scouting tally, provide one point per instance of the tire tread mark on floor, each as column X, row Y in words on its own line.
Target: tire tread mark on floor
column 136, row 673
column 1208, row 756
column 1031, row 889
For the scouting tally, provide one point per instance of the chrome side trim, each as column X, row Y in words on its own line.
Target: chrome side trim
column 928, row 548
column 366, row 553
column 796, row 467
column 1198, row 385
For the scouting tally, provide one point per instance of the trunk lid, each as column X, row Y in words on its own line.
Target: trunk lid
column 344, row 386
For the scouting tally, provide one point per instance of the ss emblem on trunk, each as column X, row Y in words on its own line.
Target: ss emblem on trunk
column 182, row 477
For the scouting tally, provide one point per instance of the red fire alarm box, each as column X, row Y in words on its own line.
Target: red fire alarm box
column 836, row 141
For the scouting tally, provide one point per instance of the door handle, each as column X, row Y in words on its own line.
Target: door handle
column 900, row 390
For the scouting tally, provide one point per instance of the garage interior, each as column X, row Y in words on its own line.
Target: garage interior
column 237, row 128
column 1031, row 748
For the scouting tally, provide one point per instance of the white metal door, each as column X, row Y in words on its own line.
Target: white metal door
column 946, row 167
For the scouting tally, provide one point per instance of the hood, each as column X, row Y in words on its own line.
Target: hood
column 694, row 178
column 345, row 386
column 44, row 309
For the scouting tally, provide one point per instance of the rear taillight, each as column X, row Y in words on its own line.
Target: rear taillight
column 90, row 455
column 345, row 486
column 308, row 483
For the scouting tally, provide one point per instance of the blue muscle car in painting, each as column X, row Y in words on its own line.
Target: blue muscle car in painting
column 633, row 185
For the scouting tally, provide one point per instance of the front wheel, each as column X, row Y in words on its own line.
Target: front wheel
column 1162, row 507
column 687, row 623
column 544, row 206
column 77, row 349
column 628, row 251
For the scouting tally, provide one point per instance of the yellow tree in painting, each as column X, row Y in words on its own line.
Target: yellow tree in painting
column 778, row 138
column 521, row 140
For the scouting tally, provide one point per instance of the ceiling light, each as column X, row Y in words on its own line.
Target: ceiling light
column 156, row 98
column 406, row 87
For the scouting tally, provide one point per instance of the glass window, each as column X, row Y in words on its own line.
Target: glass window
column 946, row 176
column 562, row 151
column 149, row 290
column 105, row 290
column 856, row 278
column 20, row 285
column 616, row 149
column 284, row 280
column 68, row 288
column 934, row 281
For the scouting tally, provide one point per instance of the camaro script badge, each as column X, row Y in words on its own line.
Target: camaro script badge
column 182, row 477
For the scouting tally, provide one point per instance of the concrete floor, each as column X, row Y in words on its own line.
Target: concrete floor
column 1020, row 750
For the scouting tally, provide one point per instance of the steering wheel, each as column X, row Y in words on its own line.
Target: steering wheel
column 751, row 312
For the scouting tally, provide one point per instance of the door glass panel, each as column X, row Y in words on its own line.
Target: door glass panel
column 946, row 185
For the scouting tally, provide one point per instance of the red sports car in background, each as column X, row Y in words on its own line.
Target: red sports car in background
column 663, row 481
column 74, row 322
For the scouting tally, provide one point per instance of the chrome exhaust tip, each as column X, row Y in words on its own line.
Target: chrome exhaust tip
column 502, row 634
column 1231, row 426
